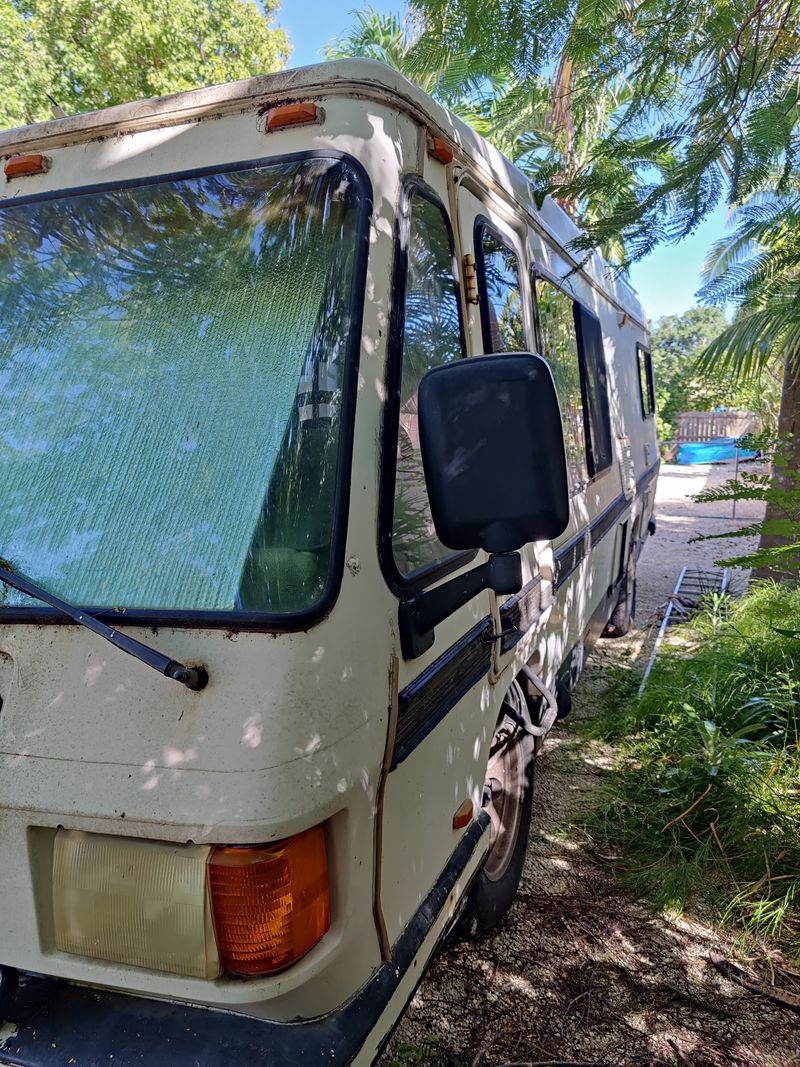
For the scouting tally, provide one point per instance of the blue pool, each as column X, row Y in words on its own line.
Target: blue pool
column 723, row 448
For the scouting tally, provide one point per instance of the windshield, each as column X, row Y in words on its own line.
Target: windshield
column 173, row 359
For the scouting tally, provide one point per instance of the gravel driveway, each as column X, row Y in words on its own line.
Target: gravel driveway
column 579, row 971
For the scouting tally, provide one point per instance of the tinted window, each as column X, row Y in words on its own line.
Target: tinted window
column 595, row 389
column 559, row 346
column 172, row 360
column 431, row 336
column 646, row 388
column 501, row 302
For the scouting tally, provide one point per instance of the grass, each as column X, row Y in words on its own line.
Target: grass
column 704, row 803
column 422, row 1054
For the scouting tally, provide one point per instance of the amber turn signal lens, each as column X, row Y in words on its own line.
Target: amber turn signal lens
column 19, row 165
column 270, row 903
column 463, row 814
column 291, row 115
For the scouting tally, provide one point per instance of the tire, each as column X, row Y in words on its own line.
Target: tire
column 508, row 798
column 621, row 621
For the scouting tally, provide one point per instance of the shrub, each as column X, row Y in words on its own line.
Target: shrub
column 705, row 800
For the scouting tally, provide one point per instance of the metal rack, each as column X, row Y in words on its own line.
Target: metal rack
column 692, row 585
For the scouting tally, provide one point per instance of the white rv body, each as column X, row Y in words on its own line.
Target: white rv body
column 326, row 722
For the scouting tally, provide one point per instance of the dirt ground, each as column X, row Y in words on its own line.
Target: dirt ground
column 579, row 972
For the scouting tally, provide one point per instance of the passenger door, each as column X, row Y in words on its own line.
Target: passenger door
column 498, row 304
column 438, row 753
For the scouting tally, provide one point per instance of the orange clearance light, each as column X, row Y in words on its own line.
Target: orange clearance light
column 270, row 903
column 20, row 165
column 439, row 149
column 278, row 118
column 463, row 814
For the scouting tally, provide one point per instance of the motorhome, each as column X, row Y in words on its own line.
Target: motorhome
column 315, row 415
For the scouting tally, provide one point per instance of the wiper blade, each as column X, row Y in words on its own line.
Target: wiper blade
column 191, row 677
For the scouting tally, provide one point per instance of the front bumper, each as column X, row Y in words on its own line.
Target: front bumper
column 52, row 1023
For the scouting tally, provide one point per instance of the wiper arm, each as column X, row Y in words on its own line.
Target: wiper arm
column 191, row 677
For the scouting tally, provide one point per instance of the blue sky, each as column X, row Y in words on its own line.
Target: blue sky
column 312, row 23
column 666, row 280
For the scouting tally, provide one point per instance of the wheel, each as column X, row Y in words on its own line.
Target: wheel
column 508, row 799
column 621, row 621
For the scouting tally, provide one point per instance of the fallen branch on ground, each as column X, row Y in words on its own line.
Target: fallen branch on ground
column 755, row 985
column 682, row 1059
column 552, row 1063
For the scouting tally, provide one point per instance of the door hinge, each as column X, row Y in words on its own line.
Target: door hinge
column 470, row 279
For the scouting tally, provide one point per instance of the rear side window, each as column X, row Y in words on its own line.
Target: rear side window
column 502, row 321
column 558, row 344
column 429, row 334
column 647, row 390
column 595, row 390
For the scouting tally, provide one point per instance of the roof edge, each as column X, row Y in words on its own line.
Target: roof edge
column 365, row 77
column 192, row 105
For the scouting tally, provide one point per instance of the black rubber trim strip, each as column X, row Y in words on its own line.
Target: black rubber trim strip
column 609, row 518
column 436, row 691
column 569, row 558
column 571, row 555
column 60, row 1023
column 521, row 611
column 644, row 480
column 425, row 701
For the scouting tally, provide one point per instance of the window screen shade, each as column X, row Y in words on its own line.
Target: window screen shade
column 160, row 349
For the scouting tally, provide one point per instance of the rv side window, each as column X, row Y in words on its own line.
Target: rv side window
column 646, row 388
column 559, row 345
column 499, row 287
column 595, row 390
column 431, row 335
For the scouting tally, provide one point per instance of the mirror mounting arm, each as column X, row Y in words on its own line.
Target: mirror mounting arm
column 502, row 573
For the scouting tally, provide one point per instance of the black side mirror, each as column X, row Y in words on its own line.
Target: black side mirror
column 495, row 468
column 493, row 452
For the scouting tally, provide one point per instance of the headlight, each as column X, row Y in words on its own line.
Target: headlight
column 190, row 909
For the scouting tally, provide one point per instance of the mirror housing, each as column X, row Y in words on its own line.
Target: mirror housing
column 493, row 452
column 495, row 468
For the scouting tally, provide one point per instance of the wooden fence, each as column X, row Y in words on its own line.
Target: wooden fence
column 711, row 425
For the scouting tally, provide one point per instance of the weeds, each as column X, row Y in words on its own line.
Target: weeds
column 428, row 1051
column 705, row 801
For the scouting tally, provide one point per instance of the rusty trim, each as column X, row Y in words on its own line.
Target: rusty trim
column 377, row 907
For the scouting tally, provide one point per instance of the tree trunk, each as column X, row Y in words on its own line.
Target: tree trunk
column 784, row 477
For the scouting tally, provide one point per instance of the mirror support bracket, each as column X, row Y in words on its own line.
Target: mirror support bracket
column 502, row 572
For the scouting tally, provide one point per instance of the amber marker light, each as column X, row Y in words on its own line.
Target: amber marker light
column 439, row 149
column 270, row 903
column 278, row 118
column 463, row 815
column 20, row 165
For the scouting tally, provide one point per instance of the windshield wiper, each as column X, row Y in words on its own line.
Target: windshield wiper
column 191, row 677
